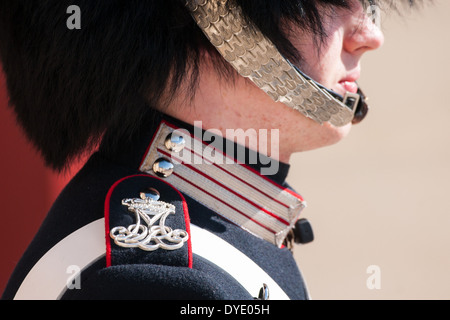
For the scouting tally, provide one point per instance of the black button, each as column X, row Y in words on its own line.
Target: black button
column 303, row 232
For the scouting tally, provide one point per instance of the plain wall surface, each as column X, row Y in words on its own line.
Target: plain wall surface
column 381, row 197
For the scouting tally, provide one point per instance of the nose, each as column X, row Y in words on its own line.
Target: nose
column 364, row 35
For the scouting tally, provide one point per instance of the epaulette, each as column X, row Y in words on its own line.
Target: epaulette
column 146, row 214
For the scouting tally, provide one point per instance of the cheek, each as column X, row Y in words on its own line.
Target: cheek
column 329, row 70
column 324, row 66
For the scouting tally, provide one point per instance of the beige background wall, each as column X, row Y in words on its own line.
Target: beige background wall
column 382, row 196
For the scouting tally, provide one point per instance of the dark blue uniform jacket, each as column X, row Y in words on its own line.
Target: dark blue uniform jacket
column 97, row 192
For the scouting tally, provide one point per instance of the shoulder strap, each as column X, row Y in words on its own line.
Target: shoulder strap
column 49, row 277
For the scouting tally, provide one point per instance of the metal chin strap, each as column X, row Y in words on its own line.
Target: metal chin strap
column 357, row 102
column 255, row 57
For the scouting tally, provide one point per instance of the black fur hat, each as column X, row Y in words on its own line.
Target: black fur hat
column 70, row 88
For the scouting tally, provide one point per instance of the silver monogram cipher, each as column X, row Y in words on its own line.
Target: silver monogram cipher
column 149, row 233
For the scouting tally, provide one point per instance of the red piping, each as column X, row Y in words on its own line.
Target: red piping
column 107, row 226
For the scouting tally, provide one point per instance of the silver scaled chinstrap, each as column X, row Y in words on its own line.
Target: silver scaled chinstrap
column 256, row 57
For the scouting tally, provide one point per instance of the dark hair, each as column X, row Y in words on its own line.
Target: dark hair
column 71, row 88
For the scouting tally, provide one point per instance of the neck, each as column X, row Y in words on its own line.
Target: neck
column 239, row 113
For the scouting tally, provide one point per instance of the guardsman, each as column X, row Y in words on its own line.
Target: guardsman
column 191, row 111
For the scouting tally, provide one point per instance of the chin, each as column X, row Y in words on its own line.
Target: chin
column 323, row 135
column 333, row 134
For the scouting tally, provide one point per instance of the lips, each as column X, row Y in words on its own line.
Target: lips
column 349, row 86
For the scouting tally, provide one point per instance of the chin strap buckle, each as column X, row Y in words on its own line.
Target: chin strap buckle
column 351, row 100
